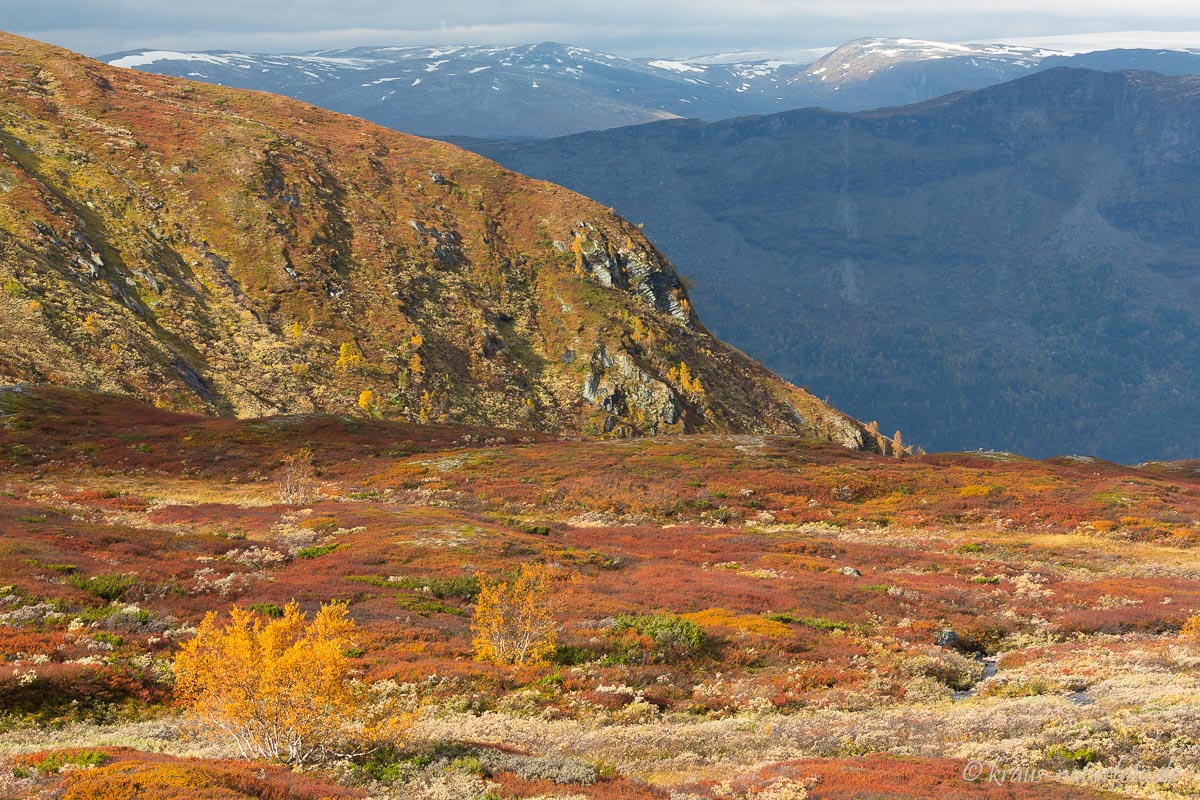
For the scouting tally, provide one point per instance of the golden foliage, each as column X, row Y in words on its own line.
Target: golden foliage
column 425, row 408
column 416, row 368
column 347, row 358
column 577, row 249
column 750, row 623
column 296, row 331
column 279, row 689
column 690, row 385
column 366, row 401
column 514, row 621
column 1190, row 633
column 194, row 779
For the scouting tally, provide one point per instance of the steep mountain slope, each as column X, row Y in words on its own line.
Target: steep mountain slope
column 551, row 89
column 241, row 253
column 1016, row 268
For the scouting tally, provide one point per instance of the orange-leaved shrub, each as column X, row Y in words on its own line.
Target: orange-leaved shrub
column 1190, row 632
column 282, row 689
column 164, row 778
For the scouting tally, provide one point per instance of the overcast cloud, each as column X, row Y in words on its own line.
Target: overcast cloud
column 665, row 27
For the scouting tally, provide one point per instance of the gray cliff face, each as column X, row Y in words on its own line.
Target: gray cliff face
column 1015, row 268
column 645, row 275
column 616, row 384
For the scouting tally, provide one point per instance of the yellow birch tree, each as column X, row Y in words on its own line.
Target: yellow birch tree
column 279, row 689
column 514, row 620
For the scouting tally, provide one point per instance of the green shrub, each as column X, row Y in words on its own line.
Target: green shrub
column 673, row 637
column 424, row 606
column 106, row 587
column 569, row 656
column 469, row 764
column 387, row 765
column 81, row 758
column 270, row 610
column 316, row 551
column 109, row 638
column 1078, row 757
column 462, row 587
column 96, row 614
column 822, row 624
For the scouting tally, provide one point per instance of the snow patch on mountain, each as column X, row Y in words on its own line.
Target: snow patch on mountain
column 148, row 57
column 675, row 66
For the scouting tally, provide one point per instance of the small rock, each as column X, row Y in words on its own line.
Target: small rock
column 946, row 638
column 852, row 572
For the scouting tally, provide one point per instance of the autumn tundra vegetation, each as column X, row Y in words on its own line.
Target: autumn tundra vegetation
column 463, row 612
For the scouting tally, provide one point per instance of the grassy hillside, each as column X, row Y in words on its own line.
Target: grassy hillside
column 239, row 253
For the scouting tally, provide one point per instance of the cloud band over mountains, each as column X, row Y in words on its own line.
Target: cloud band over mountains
column 668, row 27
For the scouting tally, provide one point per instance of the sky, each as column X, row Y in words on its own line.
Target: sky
column 660, row 28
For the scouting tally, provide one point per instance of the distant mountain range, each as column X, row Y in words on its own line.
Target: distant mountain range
column 1015, row 268
column 548, row 89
